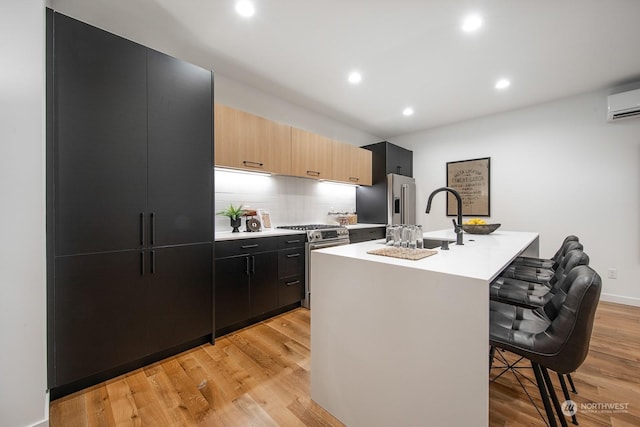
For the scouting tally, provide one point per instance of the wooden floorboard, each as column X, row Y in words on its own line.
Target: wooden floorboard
column 260, row 376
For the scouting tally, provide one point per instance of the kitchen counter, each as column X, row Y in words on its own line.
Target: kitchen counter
column 396, row 341
column 272, row 232
column 267, row 232
column 364, row 225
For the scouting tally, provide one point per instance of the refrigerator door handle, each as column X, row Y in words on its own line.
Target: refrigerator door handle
column 403, row 203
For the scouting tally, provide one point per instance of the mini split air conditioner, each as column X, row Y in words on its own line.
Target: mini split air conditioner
column 623, row 105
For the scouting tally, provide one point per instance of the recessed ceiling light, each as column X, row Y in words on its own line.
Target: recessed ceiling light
column 355, row 77
column 407, row 111
column 502, row 84
column 471, row 23
column 245, row 8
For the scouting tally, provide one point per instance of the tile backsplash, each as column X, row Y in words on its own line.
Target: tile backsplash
column 289, row 200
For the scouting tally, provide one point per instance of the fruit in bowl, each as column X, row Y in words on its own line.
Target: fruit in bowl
column 479, row 226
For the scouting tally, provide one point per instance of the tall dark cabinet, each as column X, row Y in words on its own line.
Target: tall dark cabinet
column 129, row 204
column 371, row 202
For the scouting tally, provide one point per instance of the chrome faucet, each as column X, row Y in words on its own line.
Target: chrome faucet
column 457, row 228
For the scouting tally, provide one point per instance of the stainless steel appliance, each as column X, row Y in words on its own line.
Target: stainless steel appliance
column 318, row 236
column 401, row 199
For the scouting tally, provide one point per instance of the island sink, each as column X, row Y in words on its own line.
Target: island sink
column 435, row 243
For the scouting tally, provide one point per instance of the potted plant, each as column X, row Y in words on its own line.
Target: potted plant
column 234, row 214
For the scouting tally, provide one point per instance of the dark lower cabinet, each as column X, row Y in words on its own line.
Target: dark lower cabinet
column 263, row 283
column 179, row 298
column 291, row 264
column 98, row 308
column 254, row 280
column 114, row 308
column 366, row 234
column 232, row 300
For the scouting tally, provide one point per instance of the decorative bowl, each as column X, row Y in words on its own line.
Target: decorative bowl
column 480, row 229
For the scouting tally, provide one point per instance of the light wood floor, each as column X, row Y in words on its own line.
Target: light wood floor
column 260, row 376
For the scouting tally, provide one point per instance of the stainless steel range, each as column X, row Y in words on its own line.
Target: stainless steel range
column 318, row 236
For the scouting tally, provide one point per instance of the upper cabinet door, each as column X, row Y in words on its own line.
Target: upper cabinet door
column 311, row 155
column 399, row 160
column 246, row 141
column 100, row 144
column 180, row 133
column 351, row 164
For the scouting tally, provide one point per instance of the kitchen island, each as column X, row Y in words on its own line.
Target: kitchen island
column 402, row 342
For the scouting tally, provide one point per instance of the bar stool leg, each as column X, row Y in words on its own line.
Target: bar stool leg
column 544, row 395
column 565, row 391
column 573, row 387
column 554, row 396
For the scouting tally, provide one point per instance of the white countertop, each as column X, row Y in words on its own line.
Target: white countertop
column 273, row 232
column 267, row 232
column 364, row 225
column 481, row 256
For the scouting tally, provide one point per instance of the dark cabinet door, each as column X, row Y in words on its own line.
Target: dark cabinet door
column 100, row 142
column 264, row 282
column 399, row 160
column 180, row 151
column 99, row 301
column 232, row 291
column 179, row 295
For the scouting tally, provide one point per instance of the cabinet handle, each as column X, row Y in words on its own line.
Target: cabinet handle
column 153, row 228
column 293, row 255
column 142, row 263
column 313, row 173
column 153, row 262
column 247, row 267
column 295, row 282
column 249, row 246
column 251, row 164
column 354, row 179
column 142, row 227
column 290, row 242
column 253, row 265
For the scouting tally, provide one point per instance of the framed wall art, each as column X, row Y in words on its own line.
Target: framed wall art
column 470, row 178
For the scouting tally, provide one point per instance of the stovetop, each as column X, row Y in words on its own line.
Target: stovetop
column 321, row 232
column 307, row 227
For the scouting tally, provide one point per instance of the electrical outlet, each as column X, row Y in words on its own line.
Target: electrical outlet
column 613, row 273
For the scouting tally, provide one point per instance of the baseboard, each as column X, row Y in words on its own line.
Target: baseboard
column 45, row 421
column 619, row 299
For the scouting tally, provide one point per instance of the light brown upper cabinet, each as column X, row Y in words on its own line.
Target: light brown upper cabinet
column 311, row 154
column 249, row 142
column 351, row 164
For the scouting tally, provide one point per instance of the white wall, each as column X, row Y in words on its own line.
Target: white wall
column 243, row 97
column 23, row 399
column 557, row 168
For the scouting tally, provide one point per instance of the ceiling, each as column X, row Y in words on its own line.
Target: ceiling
column 410, row 52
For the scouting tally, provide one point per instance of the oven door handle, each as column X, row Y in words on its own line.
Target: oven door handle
column 313, row 246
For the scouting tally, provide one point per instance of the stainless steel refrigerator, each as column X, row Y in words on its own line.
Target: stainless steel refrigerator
column 401, row 199
column 389, row 201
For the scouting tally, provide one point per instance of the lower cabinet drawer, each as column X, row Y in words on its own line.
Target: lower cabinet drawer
column 290, row 262
column 290, row 290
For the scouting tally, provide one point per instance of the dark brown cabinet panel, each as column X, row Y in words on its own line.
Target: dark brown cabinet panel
column 365, row 234
column 179, row 295
column 291, row 262
column 180, row 151
column 100, row 141
column 232, row 298
column 98, row 304
column 264, row 283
